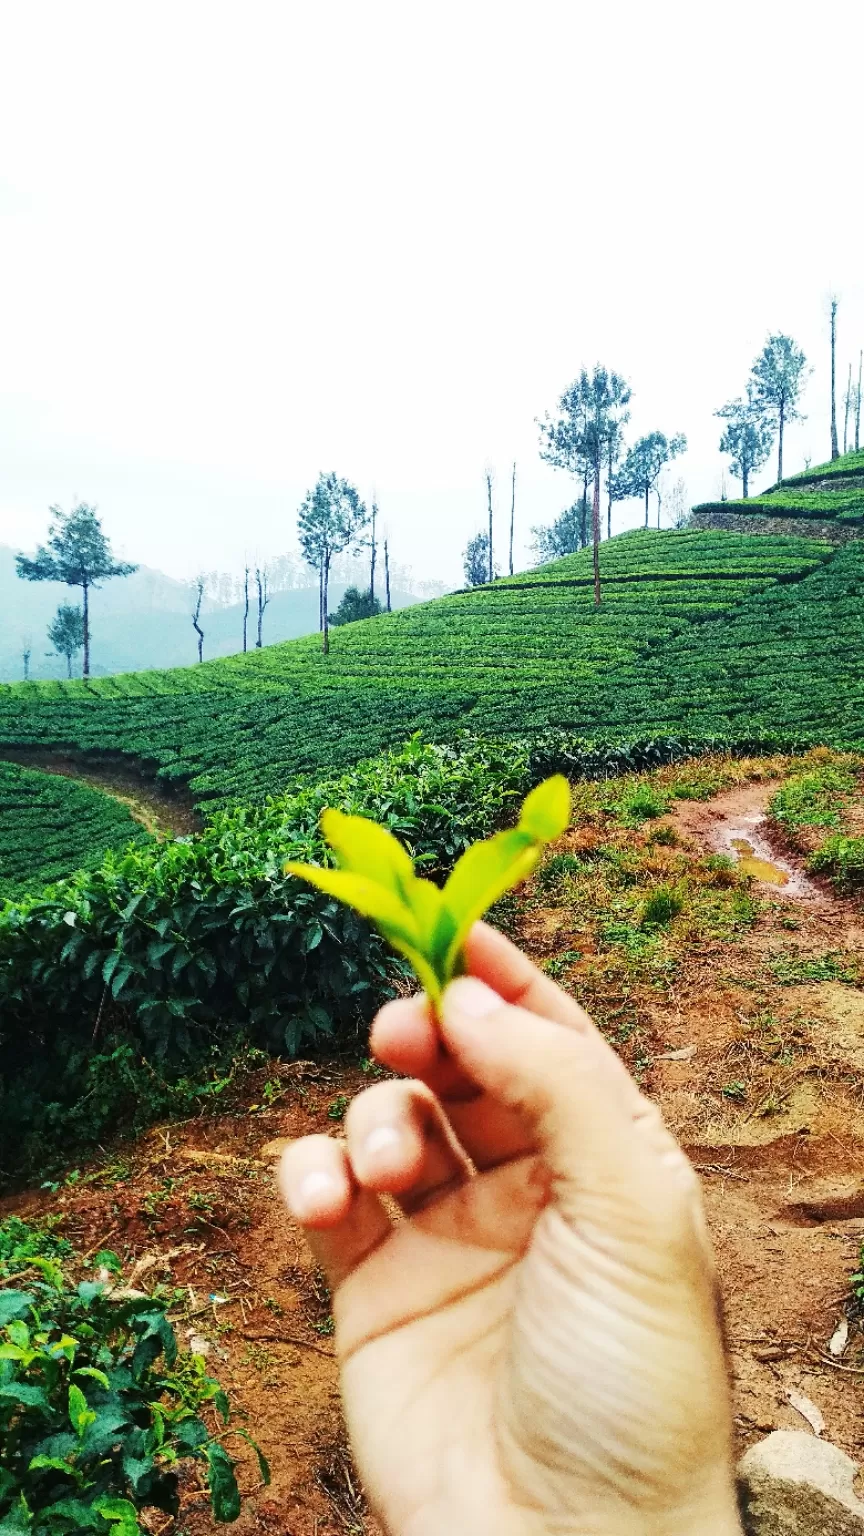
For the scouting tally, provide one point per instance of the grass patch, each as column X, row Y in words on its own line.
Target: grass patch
column 842, row 858
column 816, row 798
column 793, row 970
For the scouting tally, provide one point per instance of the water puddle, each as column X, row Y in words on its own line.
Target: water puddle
column 761, row 869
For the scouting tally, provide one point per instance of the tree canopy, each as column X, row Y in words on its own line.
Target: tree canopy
column 77, row 553
column 565, row 536
column 356, row 605
column 66, row 632
column 331, row 521
column 747, row 438
column 778, row 377
column 644, row 464
column 475, row 560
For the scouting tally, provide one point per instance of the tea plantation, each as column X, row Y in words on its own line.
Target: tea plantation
column 51, row 826
column 519, row 655
column 832, row 491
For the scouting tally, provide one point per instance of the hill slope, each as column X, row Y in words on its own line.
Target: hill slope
column 832, row 492
column 515, row 657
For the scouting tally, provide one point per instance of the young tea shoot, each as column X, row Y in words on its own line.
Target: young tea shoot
column 422, row 921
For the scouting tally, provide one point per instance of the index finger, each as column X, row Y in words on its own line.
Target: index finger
column 406, row 1038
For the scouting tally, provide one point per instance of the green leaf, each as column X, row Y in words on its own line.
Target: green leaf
column 263, row 1463
column 222, row 1405
column 481, row 876
column 545, row 812
column 14, row 1304
column 365, row 848
column 91, row 1371
column 27, row 1396
column 54, row 1464
column 120, row 1512
column 80, row 1415
column 224, row 1493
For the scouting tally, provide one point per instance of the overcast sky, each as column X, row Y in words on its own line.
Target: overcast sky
column 243, row 242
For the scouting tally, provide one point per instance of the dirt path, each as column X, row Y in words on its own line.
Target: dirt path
column 161, row 814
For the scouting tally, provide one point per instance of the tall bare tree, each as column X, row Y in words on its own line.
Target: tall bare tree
column 387, row 573
column 263, row 592
column 200, row 585
column 330, row 523
column 26, row 653
column 489, row 500
column 858, row 404
column 374, row 549
column 847, row 406
column 245, row 608
column 512, row 512
column 833, row 302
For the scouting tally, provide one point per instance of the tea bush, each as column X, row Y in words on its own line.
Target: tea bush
column 97, row 1407
column 50, row 826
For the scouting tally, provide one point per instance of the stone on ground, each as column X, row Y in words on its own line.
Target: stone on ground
column 795, row 1485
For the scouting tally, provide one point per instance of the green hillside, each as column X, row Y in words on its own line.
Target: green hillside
column 518, row 656
column 833, row 491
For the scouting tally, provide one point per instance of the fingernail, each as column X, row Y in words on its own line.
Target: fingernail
column 384, row 1139
column 472, row 997
column 317, row 1189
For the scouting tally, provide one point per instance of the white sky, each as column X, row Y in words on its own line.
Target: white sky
column 240, row 243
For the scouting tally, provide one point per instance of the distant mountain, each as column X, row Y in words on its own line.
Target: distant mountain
column 143, row 621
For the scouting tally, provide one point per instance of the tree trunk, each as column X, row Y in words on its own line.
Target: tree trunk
column 245, row 607
column 595, row 522
column 69, row 664
column 858, row 404
column 646, row 505
column 846, row 407
column 326, row 568
column 609, row 492
column 782, row 423
column 200, row 633
column 85, row 670
column 745, row 478
column 583, row 526
column 512, row 513
column 387, row 572
column 489, row 498
column 834, row 450
column 374, row 549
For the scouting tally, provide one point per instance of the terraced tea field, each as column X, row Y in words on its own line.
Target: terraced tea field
column 518, row 656
column 50, row 826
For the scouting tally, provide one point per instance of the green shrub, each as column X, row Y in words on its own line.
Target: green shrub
column 50, row 826
column 842, row 858
column 642, row 803
column 97, row 1408
column 660, row 906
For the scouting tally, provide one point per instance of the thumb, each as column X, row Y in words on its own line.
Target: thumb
column 577, row 1100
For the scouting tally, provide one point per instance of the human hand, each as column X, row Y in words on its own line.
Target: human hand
column 536, row 1346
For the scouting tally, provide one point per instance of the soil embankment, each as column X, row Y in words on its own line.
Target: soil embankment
column 163, row 814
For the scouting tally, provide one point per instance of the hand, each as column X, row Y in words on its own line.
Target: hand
column 535, row 1346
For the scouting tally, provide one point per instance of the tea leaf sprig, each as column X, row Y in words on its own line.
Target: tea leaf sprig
column 424, row 922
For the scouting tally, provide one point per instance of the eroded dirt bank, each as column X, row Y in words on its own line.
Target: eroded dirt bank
column 162, row 814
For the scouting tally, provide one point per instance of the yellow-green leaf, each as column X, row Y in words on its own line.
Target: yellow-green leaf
column 481, row 876
column 546, row 811
column 364, row 848
column 364, row 894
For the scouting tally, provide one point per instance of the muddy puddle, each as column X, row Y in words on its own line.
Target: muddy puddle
column 735, row 823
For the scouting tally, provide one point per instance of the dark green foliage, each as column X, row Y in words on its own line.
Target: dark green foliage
column 97, row 1407
column 355, row 605
column 849, row 464
column 567, row 535
column 78, row 553
column 66, row 632
column 846, row 504
column 475, row 560
column 644, row 464
column 814, row 798
column 50, row 826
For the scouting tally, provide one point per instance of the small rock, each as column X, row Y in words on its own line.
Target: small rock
column 795, row 1485
column 686, row 1053
column 839, row 1338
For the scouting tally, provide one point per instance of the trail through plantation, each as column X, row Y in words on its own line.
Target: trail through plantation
column 739, row 1006
column 160, row 814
